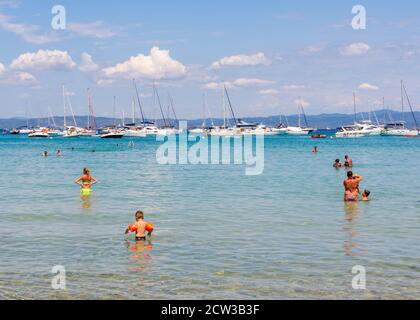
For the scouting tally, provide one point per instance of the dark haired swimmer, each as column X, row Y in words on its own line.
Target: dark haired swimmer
column 348, row 163
column 337, row 164
column 86, row 181
column 351, row 186
column 365, row 195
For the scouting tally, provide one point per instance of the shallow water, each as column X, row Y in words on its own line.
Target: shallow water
column 220, row 234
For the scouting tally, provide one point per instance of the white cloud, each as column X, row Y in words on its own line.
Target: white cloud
column 242, row 60
column 302, row 103
column 216, row 85
column 269, row 92
column 87, row 64
column 311, row 50
column 95, row 29
column 355, row 49
column 292, row 87
column 369, row 87
column 104, row 82
column 241, row 82
column 43, row 60
column 28, row 33
column 24, row 78
column 2, row 69
column 158, row 65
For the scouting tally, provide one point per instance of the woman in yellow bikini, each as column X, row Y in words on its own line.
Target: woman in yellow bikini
column 86, row 181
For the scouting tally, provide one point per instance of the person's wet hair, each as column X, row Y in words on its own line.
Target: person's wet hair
column 86, row 171
column 139, row 215
column 367, row 193
column 337, row 160
column 350, row 174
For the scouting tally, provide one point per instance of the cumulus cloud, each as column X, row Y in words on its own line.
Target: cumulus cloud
column 242, row 60
column 158, row 65
column 22, row 78
column 369, row 87
column 95, row 29
column 43, row 60
column 355, row 49
column 87, row 64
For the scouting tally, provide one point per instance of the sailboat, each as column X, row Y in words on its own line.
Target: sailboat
column 69, row 131
column 299, row 130
column 112, row 132
column 131, row 130
column 204, row 128
column 357, row 130
column 167, row 129
column 398, row 128
column 147, row 127
column 226, row 130
column 89, row 131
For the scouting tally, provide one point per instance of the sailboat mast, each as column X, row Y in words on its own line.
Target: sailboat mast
column 402, row 103
column 173, row 108
column 133, row 110
column 64, row 107
column 354, row 107
column 230, row 106
column 160, row 105
column 114, row 111
column 299, row 111
column 411, row 108
column 138, row 99
column 88, row 103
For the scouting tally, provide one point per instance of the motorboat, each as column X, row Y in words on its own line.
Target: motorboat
column 398, row 129
column 39, row 133
column 71, row 132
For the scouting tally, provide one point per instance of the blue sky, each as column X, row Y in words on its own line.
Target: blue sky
column 268, row 53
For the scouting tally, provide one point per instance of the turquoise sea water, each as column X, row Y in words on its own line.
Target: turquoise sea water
column 220, row 234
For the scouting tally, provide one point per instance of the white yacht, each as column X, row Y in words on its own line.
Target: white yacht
column 39, row 133
column 299, row 130
column 112, row 133
column 133, row 131
column 368, row 127
column 71, row 132
column 398, row 129
column 167, row 131
column 353, row 131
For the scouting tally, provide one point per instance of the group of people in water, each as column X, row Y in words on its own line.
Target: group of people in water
column 351, row 185
column 57, row 153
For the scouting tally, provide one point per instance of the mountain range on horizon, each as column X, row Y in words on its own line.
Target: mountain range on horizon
column 321, row 121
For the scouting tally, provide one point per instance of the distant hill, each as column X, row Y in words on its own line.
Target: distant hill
column 322, row 121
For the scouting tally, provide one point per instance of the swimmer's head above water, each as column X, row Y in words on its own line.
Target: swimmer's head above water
column 366, row 195
column 139, row 215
